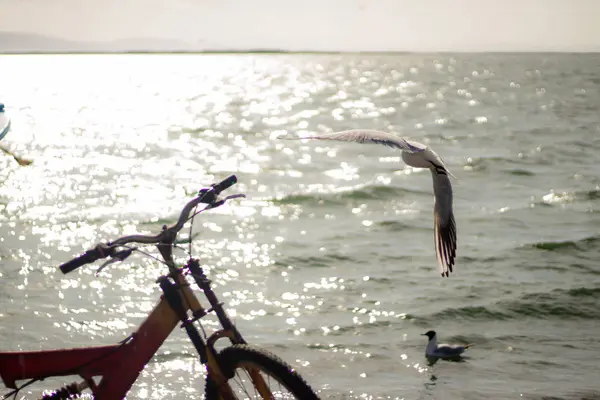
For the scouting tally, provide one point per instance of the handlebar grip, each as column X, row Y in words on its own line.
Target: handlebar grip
column 76, row 263
column 225, row 184
column 86, row 258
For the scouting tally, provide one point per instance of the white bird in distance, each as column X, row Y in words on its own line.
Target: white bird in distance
column 419, row 156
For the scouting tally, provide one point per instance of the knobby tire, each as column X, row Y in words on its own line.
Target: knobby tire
column 276, row 372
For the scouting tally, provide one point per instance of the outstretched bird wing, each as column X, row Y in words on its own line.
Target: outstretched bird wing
column 444, row 225
column 372, row 136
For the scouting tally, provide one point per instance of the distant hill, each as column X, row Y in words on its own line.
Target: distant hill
column 24, row 42
column 28, row 43
column 16, row 42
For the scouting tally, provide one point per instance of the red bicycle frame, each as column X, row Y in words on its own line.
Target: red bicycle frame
column 119, row 365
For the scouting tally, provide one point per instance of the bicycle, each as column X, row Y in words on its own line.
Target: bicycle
column 238, row 371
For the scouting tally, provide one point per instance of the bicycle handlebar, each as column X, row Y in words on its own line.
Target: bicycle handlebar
column 206, row 195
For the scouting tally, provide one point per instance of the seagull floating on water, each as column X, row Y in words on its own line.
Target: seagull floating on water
column 419, row 156
column 445, row 351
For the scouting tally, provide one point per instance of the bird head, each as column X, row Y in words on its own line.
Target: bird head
column 429, row 334
column 425, row 159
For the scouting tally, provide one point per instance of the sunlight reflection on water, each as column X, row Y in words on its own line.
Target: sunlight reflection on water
column 310, row 263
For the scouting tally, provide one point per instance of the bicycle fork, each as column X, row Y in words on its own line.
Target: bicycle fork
column 175, row 293
column 178, row 292
column 173, row 297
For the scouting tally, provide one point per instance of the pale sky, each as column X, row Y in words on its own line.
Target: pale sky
column 337, row 25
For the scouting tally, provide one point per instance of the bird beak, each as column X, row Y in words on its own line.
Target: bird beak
column 423, row 334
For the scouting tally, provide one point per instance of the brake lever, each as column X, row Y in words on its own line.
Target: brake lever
column 215, row 204
column 115, row 257
column 234, row 196
column 106, row 264
column 219, row 203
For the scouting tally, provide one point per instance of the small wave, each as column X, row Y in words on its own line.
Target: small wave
column 592, row 194
column 471, row 313
column 512, row 338
column 369, row 192
column 584, row 292
column 487, row 162
column 581, row 244
column 576, row 303
column 553, row 198
column 315, row 261
column 306, row 199
column 397, row 226
column 537, row 363
column 520, row 172
column 481, row 259
column 577, row 395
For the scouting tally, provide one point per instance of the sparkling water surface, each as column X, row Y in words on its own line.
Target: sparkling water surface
column 329, row 262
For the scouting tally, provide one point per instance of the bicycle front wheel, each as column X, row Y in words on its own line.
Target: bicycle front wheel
column 257, row 374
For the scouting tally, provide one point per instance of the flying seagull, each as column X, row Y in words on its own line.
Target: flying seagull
column 419, row 156
column 445, row 351
column 4, row 128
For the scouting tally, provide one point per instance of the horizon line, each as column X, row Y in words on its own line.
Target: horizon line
column 280, row 51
